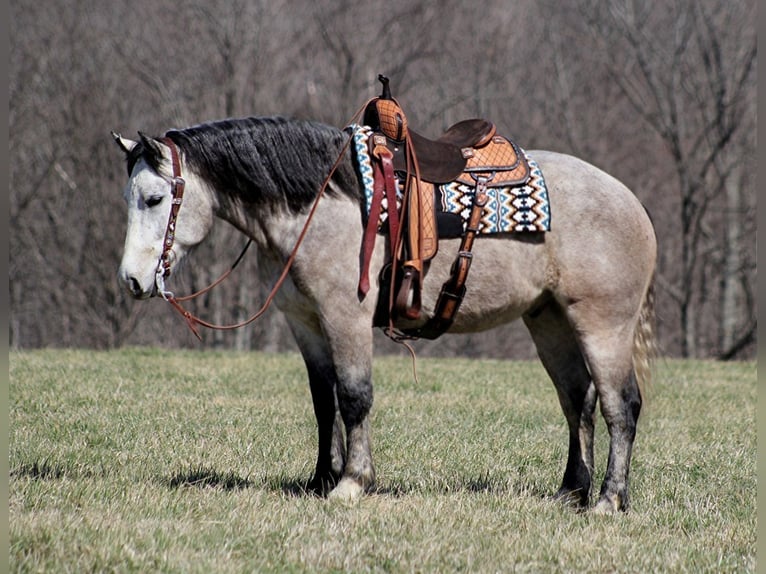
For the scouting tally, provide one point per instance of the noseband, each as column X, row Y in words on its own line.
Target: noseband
column 177, row 184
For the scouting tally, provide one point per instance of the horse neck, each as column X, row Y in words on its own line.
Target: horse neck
column 269, row 201
column 273, row 229
column 276, row 228
column 236, row 214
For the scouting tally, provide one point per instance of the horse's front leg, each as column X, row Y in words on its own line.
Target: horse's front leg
column 354, row 392
column 331, row 453
column 331, row 449
column 351, row 348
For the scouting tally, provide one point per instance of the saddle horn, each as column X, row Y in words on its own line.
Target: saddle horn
column 384, row 114
column 386, row 93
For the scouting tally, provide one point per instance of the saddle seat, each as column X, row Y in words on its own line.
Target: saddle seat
column 475, row 132
column 442, row 160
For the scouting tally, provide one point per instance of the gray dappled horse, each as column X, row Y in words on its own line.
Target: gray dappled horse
column 584, row 289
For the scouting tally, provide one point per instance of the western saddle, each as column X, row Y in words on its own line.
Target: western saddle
column 470, row 153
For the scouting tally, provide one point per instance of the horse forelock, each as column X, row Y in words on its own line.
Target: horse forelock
column 148, row 154
column 270, row 161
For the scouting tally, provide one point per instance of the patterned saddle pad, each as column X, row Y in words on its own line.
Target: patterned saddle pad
column 510, row 209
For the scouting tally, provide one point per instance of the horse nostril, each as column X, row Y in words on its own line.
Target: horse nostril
column 134, row 286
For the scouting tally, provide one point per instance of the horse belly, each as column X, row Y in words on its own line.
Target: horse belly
column 508, row 275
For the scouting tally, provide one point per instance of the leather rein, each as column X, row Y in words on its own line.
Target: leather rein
column 177, row 187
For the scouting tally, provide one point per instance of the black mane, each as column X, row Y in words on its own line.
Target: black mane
column 270, row 161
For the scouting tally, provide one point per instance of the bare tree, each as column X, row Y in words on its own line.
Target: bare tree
column 688, row 72
column 663, row 99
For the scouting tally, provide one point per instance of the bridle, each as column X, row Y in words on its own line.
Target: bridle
column 177, row 185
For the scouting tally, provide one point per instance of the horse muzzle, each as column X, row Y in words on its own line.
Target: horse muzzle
column 135, row 287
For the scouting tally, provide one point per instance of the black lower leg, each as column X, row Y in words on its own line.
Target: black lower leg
column 331, row 450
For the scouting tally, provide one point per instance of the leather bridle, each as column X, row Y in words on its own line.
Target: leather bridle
column 177, row 185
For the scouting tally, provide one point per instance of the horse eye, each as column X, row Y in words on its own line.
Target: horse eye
column 153, row 200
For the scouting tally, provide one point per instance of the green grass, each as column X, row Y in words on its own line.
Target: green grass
column 145, row 460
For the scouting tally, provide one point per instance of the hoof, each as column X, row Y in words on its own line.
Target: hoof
column 347, row 489
column 321, row 486
column 577, row 499
column 609, row 505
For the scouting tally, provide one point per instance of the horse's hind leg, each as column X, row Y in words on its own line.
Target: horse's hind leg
column 331, row 452
column 608, row 348
column 560, row 354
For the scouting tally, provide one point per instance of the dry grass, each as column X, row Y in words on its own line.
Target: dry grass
column 142, row 460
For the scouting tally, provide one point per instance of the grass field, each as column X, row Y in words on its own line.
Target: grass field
column 155, row 461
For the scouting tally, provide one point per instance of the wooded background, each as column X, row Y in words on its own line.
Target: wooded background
column 662, row 95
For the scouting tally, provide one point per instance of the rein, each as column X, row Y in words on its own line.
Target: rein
column 177, row 183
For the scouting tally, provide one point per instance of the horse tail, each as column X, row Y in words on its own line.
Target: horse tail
column 644, row 342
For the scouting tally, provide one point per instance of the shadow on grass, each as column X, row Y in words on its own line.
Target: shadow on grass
column 205, row 477
column 481, row 484
column 201, row 476
column 45, row 469
column 40, row 470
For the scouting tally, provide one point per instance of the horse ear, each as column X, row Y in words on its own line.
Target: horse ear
column 125, row 144
column 151, row 144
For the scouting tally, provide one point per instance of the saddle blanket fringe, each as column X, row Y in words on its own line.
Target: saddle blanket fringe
column 521, row 208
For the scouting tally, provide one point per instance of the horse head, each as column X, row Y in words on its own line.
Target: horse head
column 162, row 228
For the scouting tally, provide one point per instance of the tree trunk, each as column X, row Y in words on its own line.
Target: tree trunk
column 243, row 338
column 732, row 262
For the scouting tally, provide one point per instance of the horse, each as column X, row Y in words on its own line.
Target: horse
column 584, row 289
